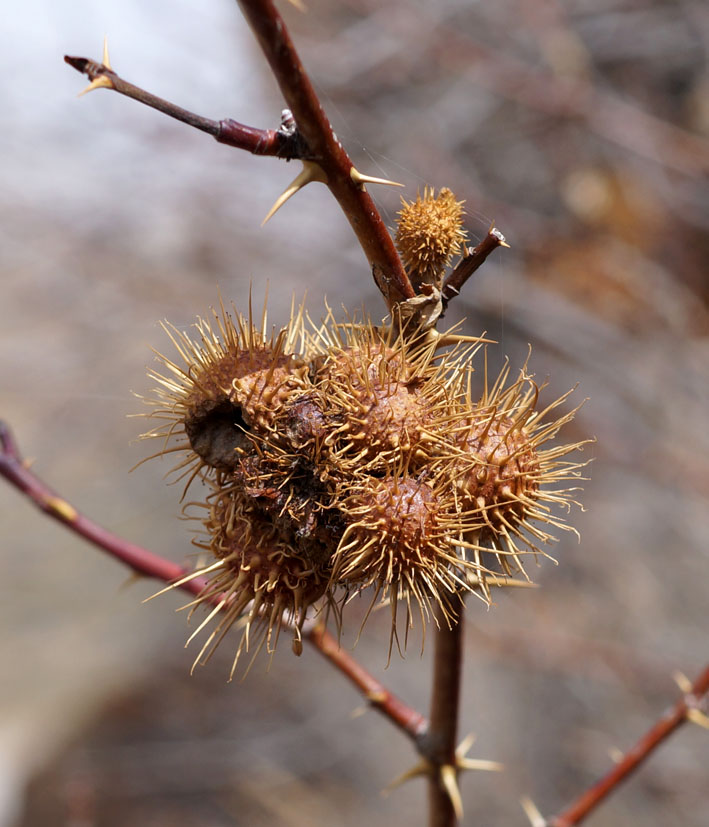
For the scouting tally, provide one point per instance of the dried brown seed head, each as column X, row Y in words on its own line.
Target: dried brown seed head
column 401, row 540
column 381, row 394
column 234, row 382
column 259, row 580
column 505, row 479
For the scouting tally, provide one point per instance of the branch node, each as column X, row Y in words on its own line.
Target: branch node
column 64, row 510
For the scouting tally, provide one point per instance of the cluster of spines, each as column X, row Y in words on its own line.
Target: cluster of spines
column 361, row 462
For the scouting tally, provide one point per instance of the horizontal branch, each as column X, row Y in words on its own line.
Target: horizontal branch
column 285, row 142
column 148, row 564
column 667, row 724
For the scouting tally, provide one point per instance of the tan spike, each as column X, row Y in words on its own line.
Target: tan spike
column 536, row 819
column 311, row 172
column 361, row 179
column 102, row 81
column 449, row 781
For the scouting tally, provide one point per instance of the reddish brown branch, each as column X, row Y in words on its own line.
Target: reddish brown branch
column 442, row 736
column 313, row 140
column 408, row 720
column 144, row 562
column 313, row 124
column 470, row 263
column 668, row 723
column 284, row 142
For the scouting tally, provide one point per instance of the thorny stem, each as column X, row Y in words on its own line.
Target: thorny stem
column 665, row 726
column 355, row 201
column 144, row 562
column 280, row 143
column 316, row 141
column 441, row 738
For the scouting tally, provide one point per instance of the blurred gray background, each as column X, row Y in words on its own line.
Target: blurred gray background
column 582, row 130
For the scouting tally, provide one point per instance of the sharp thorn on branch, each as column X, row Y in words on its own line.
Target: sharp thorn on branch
column 311, row 172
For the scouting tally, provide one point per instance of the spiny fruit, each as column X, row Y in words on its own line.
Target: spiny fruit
column 352, row 458
column 429, row 233
column 258, row 578
column 502, row 471
column 401, row 541
column 235, row 381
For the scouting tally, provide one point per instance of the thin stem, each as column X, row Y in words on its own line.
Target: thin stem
column 665, row 726
column 285, row 142
column 470, row 263
column 407, row 719
column 442, row 736
column 144, row 562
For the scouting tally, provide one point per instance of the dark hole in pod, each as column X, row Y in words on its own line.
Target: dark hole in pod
column 217, row 433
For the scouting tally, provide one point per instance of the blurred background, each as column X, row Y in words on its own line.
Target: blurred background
column 582, row 129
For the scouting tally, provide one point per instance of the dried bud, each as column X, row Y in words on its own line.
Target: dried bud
column 429, row 233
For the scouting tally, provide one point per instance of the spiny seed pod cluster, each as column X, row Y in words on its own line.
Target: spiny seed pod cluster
column 345, row 458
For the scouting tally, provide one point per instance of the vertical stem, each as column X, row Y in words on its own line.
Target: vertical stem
column 442, row 735
column 372, row 234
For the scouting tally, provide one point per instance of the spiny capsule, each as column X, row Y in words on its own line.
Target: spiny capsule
column 382, row 394
column 256, row 578
column 502, row 473
column 234, row 380
column 401, row 540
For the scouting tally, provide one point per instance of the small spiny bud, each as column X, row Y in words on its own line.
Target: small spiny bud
column 429, row 233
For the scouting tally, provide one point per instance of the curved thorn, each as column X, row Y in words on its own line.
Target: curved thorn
column 423, row 767
column 696, row 716
column 536, row 819
column 101, row 82
column 310, row 172
column 106, row 60
column 449, row 780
